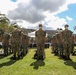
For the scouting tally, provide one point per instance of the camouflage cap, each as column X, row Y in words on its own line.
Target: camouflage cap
column 66, row 25
column 61, row 29
column 16, row 26
column 40, row 25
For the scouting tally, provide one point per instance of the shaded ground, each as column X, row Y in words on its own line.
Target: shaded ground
column 52, row 65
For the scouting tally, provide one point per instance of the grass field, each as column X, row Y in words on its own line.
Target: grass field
column 52, row 65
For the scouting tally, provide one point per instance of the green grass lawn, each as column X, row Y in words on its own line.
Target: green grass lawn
column 52, row 65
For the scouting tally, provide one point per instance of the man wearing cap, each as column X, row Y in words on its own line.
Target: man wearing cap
column 40, row 42
column 54, row 44
column 25, row 42
column 1, row 35
column 59, row 44
column 5, row 42
column 66, row 36
column 16, row 42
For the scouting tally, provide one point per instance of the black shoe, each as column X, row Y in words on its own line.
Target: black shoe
column 18, row 57
column 13, row 58
column 41, row 58
column 35, row 56
column 69, row 59
column 5, row 55
column 24, row 54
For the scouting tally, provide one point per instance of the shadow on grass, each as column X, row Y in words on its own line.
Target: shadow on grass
column 1, row 56
column 37, row 64
column 70, row 63
column 7, row 63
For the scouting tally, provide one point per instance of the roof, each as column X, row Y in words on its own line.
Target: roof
column 32, row 34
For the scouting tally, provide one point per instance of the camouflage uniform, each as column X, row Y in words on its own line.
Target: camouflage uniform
column 0, row 41
column 60, row 47
column 25, row 43
column 10, row 47
column 16, row 42
column 67, row 42
column 75, row 39
column 55, row 46
column 1, row 34
column 72, row 49
column 6, row 38
column 52, row 44
column 40, row 41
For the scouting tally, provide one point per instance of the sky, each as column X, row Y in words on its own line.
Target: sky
column 52, row 14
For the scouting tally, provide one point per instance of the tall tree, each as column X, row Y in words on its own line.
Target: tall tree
column 4, row 22
column 10, row 28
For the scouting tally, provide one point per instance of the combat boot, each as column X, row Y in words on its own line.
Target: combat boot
column 14, row 57
column 18, row 57
column 68, row 57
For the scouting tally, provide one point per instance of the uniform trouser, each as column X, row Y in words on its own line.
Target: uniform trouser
column 56, row 48
column 25, row 49
column 60, row 49
column 67, row 49
column 40, row 50
column 10, row 49
column 5, row 46
column 52, row 48
column 72, row 48
column 16, row 49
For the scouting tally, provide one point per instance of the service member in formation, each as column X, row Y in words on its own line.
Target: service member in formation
column 66, row 36
column 1, row 35
column 16, row 42
column 40, row 42
column 5, row 42
column 59, row 43
column 25, row 42
column 54, row 44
